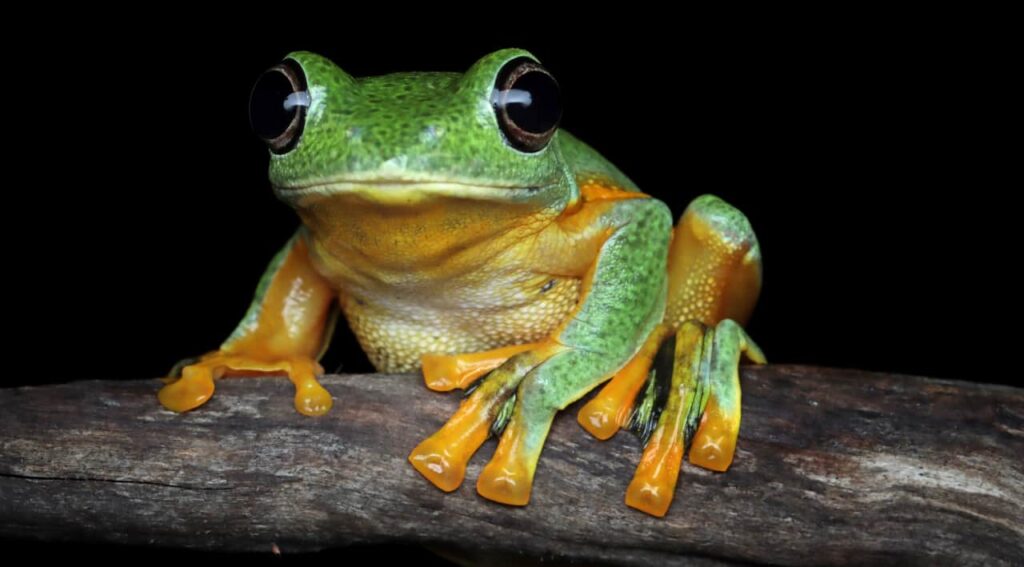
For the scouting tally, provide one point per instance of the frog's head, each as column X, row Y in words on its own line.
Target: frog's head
column 411, row 138
column 417, row 157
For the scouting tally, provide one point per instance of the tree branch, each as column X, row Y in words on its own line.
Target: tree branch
column 833, row 466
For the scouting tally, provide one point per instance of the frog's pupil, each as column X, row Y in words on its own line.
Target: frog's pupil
column 267, row 109
column 541, row 110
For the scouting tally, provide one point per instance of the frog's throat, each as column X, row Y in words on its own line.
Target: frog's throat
column 410, row 228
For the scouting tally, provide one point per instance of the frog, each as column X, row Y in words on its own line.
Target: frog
column 463, row 234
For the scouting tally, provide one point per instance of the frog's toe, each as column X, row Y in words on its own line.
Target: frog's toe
column 311, row 398
column 610, row 409
column 442, row 457
column 506, row 480
column 508, row 476
column 442, row 460
column 701, row 411
column 445, row 372
column 191, row 390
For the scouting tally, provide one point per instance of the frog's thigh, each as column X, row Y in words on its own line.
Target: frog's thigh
column 714, row 265
column 715, row 279
column 714, row 274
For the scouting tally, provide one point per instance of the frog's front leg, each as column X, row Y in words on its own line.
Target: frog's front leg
column 286, row 329
column 623, row 300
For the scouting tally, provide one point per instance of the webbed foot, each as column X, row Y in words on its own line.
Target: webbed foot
column 442, row 457
column 699, row 410
column 196, row 383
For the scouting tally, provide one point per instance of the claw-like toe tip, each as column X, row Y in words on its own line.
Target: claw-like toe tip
column 505, row 485
column 648, row 497
column 188, row 392
column 437, row 465
column 598, row 419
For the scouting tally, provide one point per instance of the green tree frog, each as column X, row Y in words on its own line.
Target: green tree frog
column 462, row 233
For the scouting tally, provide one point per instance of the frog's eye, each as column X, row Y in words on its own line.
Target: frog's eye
column 277, row 106
column 528, row 104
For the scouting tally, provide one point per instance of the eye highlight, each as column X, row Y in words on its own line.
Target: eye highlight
column 277, row 106
column 527, row 103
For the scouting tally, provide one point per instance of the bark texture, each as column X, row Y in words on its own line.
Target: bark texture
column 833, row 466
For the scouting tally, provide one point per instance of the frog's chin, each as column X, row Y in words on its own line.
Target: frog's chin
column 401, row 192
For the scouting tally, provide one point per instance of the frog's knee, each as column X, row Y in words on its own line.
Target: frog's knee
column 716, row 222
column 728, row 327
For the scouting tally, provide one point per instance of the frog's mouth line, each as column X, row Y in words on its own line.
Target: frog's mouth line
column 402, row 189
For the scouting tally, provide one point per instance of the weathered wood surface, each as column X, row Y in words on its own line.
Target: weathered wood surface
column 834, row 466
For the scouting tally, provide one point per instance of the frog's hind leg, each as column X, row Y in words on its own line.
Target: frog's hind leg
column 714, row 274
column 692, row 399
column 696, row 406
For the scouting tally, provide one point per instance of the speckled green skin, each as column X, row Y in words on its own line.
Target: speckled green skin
column 422, row 126
column 622, row 308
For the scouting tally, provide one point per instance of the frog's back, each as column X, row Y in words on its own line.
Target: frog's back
column 590, row 166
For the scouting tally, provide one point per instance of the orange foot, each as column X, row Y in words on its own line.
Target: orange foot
column 702, row 412
column 196, row 384
column 442, row 457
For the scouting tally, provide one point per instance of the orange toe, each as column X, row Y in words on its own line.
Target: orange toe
column 653, row 486
column 312, row 399
column 505, row 483
column 442, row 457
column 714, row 444
column 651, row 498
column 437, row 464
column 190, row 391
column 600, row 418
column 444, row 372
column 609, row 410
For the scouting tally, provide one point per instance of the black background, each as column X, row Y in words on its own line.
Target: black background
column 868, row 153
column 865, row 159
